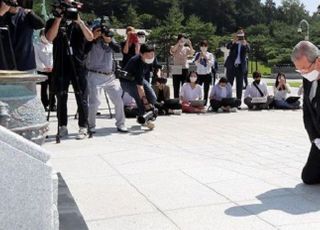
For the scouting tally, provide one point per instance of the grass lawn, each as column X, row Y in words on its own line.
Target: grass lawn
column 264, row 70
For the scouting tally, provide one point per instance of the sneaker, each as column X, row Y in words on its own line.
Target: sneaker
column 82, row 133
column 122, row 129
column 177, row 112
column 63, row 131
column 220, row 110
column 233, row 110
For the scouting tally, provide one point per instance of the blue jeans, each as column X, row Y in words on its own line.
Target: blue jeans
column 282, row 104
column 132, row 90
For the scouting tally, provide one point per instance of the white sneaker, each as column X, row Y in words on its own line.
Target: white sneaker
column 220, row 110
column 233, row 110
column 177, row 111
column 122, row 129
column 63, row 131
column 82, row 133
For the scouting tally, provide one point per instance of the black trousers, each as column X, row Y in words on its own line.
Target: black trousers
column 206, row 81
column 80, row 89
column 164, row 107
column 215, row 104
column 311, row 171
column 236, row 72
column 45, row 98
column 179, row 80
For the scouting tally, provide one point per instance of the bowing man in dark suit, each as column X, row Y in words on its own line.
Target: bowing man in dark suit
column 306, row 57
column 236, row 61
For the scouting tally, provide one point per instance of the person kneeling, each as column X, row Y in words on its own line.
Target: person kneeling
column 191, row 94
column 137, row 87
column 281, row 89
column 164, row 104
column 256, row 96
column 221, row 99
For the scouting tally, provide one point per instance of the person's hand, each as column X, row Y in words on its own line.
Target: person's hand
column 4, row 8
column 234, row 38
column 317, row 142
column 188, row 42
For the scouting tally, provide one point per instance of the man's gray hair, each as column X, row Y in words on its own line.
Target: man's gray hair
column 307, row 49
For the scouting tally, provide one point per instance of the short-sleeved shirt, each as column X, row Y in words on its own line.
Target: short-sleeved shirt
column 62, row 64
column 180, row 57
column 137, row 68
column 129, row 55
column 191, row 94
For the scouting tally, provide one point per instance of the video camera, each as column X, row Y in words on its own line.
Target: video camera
column 11, row 3
column 69, row 10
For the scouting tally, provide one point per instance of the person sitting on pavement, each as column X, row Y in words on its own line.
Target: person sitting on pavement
column 221, row 99
column 101, row 75
column 130, row 106
column 164, row 104
column 191, row 95
column 256, row 96
column 281, row 89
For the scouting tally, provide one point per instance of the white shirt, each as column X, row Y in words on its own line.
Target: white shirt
column 238, row 60
column 190, row 94
column 43, row 55
column 252, row 91
column 281, row 94
column 201, row 69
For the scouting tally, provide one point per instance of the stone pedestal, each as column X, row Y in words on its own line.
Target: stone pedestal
column 27, row 115
column 29, row 186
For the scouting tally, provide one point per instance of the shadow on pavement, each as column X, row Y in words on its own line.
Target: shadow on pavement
column 299, row 200
column 70, row 217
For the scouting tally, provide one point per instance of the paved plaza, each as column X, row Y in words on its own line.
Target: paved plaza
column 211, row 171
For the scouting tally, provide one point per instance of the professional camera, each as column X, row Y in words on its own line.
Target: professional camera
column 10, row 3
column 69, row 10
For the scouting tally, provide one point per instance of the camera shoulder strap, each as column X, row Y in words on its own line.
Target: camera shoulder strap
column 255, row 85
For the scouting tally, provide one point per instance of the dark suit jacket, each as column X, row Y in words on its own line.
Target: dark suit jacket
column 311, row 116
column 233, row 47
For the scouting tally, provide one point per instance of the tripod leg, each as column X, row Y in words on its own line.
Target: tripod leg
column 108, row 103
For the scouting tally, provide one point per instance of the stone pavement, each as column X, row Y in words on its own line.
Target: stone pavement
column 210, row 171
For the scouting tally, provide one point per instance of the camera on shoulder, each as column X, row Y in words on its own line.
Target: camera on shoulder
column 67, row 9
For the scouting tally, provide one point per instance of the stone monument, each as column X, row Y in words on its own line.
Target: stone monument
column 26, row 113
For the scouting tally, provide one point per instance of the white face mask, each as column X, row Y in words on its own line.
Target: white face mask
column 312, row 76
column 149, row 61
column 193, row 79
column 203, row 49
column 142, row 40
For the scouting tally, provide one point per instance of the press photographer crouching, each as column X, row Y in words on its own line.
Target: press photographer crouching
column 17, row 27
column 137, row 87
column 69, row 35
column 100, row 66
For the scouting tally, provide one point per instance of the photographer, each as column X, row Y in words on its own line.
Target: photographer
column 131, row 46
column 69, row 36
column 21, row 23
column 236, row 62
column 139, row 88
column 100, row 65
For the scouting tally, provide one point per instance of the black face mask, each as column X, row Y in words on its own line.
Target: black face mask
column 257, row 81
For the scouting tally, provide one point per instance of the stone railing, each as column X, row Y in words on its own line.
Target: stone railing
column 288, row 69
column 29, row 186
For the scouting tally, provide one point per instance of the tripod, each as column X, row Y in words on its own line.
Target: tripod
column 62, row 90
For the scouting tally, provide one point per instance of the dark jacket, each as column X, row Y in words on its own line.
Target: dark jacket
column 21, row 26
column 311, row 114
column 233, row 47
column 137, row 68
